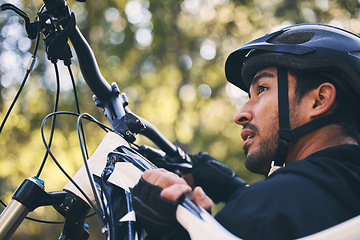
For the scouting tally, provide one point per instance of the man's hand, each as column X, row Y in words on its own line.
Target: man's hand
column 155, row 199
column 174, row 187
column 218, row 180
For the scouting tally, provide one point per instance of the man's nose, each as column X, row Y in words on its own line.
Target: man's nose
column 243, row 116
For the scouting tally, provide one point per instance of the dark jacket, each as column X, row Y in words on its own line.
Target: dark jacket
column 300, row 199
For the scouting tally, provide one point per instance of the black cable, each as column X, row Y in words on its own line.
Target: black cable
column 53, row 222
column 51, row 136
column 77, row 106
column 87, row 117
column 44, row 221
column 81, row 137
column 14, row 100
column 27, row 74
column 52, row 129
column 26, row 77
column 74, row 89
column 78, row 187
column 53, row 121
column 29, row 69
column 91, row 180
column 37, row 41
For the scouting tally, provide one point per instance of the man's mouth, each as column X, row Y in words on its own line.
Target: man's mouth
column 250, row 136
column 247, row 134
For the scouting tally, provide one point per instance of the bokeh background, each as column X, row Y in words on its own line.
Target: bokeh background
column 167, row 56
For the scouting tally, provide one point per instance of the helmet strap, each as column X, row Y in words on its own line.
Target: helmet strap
column 287, row 136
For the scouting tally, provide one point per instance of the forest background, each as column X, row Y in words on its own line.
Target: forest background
column 167, row 56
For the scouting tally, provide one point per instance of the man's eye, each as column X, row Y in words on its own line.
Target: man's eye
column 260, row 89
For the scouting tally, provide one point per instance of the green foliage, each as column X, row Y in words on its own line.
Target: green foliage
column 167, row 56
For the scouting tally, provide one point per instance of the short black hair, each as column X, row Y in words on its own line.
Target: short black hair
column 306, row 81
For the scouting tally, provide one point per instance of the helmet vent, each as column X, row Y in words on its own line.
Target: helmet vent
column 297, row 37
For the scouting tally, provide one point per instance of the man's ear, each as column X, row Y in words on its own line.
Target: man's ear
column 323, row 98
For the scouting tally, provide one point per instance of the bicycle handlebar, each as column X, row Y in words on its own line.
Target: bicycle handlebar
column 107, row 97
column 89, row 68
column 58, row 25
column 106, row 94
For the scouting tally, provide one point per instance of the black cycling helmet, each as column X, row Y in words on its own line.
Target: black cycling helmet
column 300, row 48
column 304, row 47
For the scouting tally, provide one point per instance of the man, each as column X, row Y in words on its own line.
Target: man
column 300, row 128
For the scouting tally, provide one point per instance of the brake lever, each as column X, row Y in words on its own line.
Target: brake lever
column 31, row 27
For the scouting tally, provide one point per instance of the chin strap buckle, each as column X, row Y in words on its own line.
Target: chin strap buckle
column 274, row 168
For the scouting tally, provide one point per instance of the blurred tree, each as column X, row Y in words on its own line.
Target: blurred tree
column 167, row 56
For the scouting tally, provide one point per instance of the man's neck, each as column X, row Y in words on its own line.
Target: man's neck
column 325, row 137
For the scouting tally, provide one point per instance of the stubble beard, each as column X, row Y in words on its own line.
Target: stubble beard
column 259, row 160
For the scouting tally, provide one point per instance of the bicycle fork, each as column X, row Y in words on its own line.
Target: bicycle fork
column 31, row 195
column 11, row 218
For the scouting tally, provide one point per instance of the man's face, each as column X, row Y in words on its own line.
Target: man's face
column 260, row 121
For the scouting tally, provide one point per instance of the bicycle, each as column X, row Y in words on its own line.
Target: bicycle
column 57, row 23
column 104, row 181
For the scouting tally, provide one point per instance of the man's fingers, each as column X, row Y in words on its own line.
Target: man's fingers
column 202, row 199
column 173, row 187
column 174, row 191
column 152, row 176
column 162, row 178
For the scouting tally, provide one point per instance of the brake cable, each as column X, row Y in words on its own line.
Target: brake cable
column 26, row 77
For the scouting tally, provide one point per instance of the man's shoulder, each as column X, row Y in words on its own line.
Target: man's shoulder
column 306, row 196
column 345, row 153
column 331, row 176
column 332, row 161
